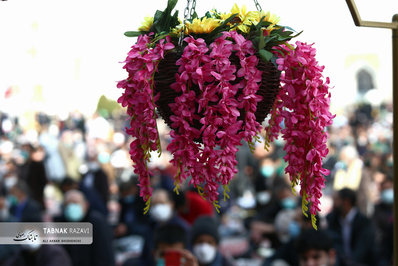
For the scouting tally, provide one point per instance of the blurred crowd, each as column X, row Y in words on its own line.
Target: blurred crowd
column 78, row 169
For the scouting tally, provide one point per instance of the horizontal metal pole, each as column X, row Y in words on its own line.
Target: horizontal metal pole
column 376, row 24
column 363, row 23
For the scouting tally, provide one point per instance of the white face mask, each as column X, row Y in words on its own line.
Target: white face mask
column 205, row 252
column 31, row 246
column 161, row 212
column 4, row 214
column 9, row 182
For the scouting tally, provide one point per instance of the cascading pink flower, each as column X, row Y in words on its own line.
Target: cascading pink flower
column 210, row 68
column 138, row 96
column 303, row 103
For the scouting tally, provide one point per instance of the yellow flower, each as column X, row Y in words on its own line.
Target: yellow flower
column 267, row 17
column 224, row 16
column 245, row 18
column 241, row 12
column 204, row 25
column 146, row 24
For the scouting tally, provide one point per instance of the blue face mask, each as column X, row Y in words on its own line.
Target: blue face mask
column 12, row 200
column 129, row 199
column 104, row 157
column 267, row 171
column 294, row 229
column 160, row 262
column 24, row 155
column 288, row 203
column 74, row 212
column 387, row 196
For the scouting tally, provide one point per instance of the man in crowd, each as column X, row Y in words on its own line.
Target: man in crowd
column 100, row 252
column 315, row 248
column 170, row 249
column 205, row 241
column 22, row 207
column 353, row 233
column 163, row 211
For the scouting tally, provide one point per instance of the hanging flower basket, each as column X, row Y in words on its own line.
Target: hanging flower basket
column 167, row 68
column 214, row 79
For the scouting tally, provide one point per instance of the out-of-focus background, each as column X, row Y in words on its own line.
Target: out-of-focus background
column 61, row 129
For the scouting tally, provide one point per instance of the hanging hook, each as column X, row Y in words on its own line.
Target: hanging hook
column 257, row 5
column 182, row 34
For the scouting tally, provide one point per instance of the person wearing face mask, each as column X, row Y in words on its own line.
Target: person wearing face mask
column 205, row 240
column 6, row 250
column 170, row 248
column 383, row 220
column 131, row 218
column 33, row 172
column 289, row 224
column 163, row 211
column 33, row 254
column 100, row 252
column 22, row 207
column 95, row 184
column 132, row 221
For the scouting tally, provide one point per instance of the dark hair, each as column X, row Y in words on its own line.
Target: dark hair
column 179, row 199
column 126, row 186
column 170, row 234
column 313, row 239
column 169, row 194
column 349, row 194
column 22, row 186
column 204, row 225
column 68, row 181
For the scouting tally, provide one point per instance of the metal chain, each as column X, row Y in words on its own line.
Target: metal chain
column 257, row 5
column 193, row 8
column 186, row 13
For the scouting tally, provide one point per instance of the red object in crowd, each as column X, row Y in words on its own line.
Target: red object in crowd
column 196, row 206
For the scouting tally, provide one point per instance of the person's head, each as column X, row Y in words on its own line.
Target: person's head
column 315, row 248
column 128, row 192
column 290, row 222
column 75, row 206
column 343, row 201
column 285, row 196
column 348, row 154
column 387, row 191
column 169, row 236
column 205, row 239
column 267, row 167
column 162, row 205
column 68, row 184
column 286, row 227
column 19, row 192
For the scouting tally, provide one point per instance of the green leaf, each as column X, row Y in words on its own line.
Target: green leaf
column 208, row 15
column 289, row 28
column 261, row 44
column 165, row 21
column 157, row 15
column 260, row 24
column 265, row 55
column 133, row 33
column 223, row 27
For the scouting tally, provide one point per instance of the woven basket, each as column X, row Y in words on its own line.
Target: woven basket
column 268, row 89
